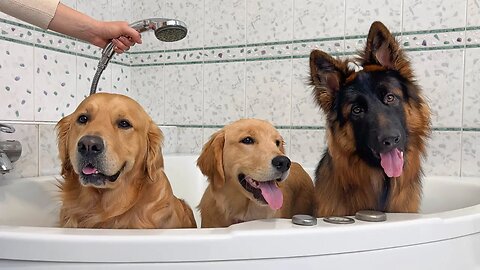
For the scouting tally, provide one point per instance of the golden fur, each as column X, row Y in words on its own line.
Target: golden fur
column 224, row 157
column 344, row 182
column 141, row 196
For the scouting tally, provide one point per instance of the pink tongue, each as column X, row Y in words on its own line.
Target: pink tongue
column 272, row 194
column 392, row 163
column 89, row 170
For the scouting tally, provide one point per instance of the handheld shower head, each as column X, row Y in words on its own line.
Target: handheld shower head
column 167, row 30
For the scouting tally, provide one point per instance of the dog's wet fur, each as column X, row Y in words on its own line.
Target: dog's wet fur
column 377, row 126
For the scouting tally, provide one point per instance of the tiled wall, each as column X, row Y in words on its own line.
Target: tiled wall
column 245, row 58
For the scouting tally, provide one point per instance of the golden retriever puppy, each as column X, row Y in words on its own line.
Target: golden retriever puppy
column 250, row 177
column 112, row 166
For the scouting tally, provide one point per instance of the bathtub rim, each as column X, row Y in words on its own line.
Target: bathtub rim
column 75, row 245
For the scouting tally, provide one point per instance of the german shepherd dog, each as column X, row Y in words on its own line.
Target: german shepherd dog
column 377, row 126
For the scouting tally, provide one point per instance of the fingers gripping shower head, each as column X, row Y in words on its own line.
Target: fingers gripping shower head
column 167, row 30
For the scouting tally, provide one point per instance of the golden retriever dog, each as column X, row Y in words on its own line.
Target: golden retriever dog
column 112, row 166
column 250, row 177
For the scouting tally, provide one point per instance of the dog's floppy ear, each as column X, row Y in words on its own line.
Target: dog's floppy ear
column 382, row 49
column 210, row 161
column 154, row 157
column 63, row 127
column 327, row 74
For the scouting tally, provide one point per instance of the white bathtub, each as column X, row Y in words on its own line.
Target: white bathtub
column 446, row 235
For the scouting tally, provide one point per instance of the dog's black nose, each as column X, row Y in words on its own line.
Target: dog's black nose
column 90, row 145
column 281, row 163
column 389, row 141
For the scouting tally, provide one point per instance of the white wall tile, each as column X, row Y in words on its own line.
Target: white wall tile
column 49, row 161
column 224, row 92
column 55, row 84
column 361, row 14
column 144, row 9
column 307, row 147
column 170, row 141
column 183, row 94
column 433, row 14
column 268, row 90
column 190, row 140
column 224, row 22
column 269, row 20
column 305, row 112
column 470, row 154
column 16, row 81
column 121, row 10
column 318, row 19
column 99, row 10
column 191, row 12
column 440, row 75
column 473, row 11
column 148, row 90
column 121, row 80
column 443, row 154
column 471, row 100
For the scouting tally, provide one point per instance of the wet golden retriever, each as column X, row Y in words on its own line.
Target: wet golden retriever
column 250, row 177
column 112, row 166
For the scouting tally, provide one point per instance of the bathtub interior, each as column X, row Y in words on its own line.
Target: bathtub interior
column 35, row 201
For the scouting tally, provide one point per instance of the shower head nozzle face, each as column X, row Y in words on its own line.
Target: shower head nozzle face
column 170, row 33
column 167, row 30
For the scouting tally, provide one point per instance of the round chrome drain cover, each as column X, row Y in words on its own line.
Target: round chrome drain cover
column 304, row 220
column 371, row 216
column 339, row 220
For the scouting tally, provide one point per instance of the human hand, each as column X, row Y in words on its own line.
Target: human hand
column 119, row 32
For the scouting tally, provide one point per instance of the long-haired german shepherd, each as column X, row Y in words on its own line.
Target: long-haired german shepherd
column 377, row 125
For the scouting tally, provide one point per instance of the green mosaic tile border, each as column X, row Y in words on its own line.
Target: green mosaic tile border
column 275, row 50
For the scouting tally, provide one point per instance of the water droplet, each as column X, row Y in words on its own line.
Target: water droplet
column 7, row 88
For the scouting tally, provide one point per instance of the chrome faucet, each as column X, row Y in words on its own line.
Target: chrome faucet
column 10, row 150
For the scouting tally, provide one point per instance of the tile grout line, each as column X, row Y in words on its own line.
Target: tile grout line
column 291, row 76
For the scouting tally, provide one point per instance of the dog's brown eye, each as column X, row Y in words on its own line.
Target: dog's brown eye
column 247, row 140
column 82, row 119
column 357, row 110
column 278, row 142
column 389, row 98
column 124, row 124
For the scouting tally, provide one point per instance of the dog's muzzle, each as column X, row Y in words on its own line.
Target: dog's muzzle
column 91, row 153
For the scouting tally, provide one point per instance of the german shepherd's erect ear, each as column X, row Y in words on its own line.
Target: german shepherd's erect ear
column 382, row 49
column 327, row 74
column 210, row 161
